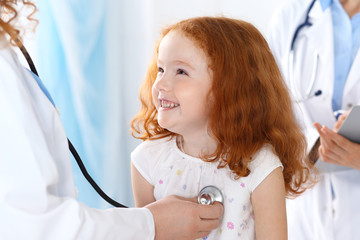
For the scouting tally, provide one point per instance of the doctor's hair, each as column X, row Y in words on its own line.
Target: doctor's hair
column 250, row 107
column 9, row 16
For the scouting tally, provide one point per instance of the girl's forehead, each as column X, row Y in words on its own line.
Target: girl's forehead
column 176, row 45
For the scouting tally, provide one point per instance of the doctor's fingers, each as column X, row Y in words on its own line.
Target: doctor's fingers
column 339, row 140
column 329, row 150
column 336, row 149
column 206, row 226
column 340, row 120
column 317, row 126
column 328, row 137
column 327, row 155
column 211, row 212
column 351, row 158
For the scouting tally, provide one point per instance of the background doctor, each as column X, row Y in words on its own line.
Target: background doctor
column 326, row 63
column 37, row 193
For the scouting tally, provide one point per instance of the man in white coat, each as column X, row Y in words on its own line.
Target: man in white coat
column 324, row 79
column 37, row 192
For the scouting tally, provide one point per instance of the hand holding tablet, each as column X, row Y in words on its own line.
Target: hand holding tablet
column 335, row 150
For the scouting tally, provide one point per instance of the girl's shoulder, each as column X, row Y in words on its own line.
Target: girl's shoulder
column 264, row 157
column 149, row 154
column 263, row 163
column 153, row 147
column 155, row 144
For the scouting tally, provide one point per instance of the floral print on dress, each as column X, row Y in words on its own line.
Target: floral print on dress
column 185, row 177
column 230, row 225
column 244, row 225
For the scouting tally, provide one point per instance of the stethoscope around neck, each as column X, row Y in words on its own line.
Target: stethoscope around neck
column 309, row 93
column 71, row 146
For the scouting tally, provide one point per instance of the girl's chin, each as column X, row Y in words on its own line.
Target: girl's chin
column 167, row 127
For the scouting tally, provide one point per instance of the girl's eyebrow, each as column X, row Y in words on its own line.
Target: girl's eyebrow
column 184, row 63
column 176, row 62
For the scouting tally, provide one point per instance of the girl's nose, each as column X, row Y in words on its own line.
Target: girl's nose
column 162, row 82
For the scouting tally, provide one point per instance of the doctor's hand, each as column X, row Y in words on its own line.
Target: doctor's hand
column 180, row 218
column 340, row 120
column 336, row 149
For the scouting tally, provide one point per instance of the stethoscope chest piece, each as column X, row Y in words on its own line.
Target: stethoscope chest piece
column 209, row 195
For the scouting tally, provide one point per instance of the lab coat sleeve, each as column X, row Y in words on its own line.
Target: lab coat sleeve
column 37, row 194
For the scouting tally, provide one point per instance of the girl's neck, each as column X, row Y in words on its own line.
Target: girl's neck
column 197, row 146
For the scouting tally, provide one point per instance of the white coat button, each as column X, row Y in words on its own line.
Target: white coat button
column 349, row 105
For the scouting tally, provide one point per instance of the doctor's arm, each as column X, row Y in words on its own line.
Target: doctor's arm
column 335, row 148
column 175, row 217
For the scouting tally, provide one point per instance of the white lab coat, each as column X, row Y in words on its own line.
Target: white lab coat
column 314, row 215
column 37, row 192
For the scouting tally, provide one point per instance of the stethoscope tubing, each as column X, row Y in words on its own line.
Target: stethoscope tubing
column 304, row 24
column 291, row 60
column 71, row 146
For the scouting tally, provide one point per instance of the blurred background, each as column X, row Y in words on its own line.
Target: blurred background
column 92, row 56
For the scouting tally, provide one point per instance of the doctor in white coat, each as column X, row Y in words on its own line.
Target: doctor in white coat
column 37, row 192
column 323, row 76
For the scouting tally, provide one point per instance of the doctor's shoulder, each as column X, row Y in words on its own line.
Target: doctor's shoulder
column 283, row 24
column 289, row 13
column 10, row 68
column 7, row 58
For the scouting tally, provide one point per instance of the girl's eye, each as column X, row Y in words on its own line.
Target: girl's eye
column 182, row 72
column 160, row 70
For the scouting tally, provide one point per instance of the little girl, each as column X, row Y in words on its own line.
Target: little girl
column 215, row 111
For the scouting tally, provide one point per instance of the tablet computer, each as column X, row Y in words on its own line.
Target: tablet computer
column 351, row 125
column 350, row 129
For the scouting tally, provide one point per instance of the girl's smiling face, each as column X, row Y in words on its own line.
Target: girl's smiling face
column 180, row 92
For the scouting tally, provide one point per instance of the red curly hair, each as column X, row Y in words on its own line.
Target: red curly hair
column 8, row 14
column 252, row 106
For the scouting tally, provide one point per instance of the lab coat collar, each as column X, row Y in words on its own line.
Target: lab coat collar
column 317, row 12
column 325, row 4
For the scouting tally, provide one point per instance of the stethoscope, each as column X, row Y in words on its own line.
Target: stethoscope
column 207, row 195
column 71, row 146
column 308, row 94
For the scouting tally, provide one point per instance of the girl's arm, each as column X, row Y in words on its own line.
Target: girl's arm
column 268, row 201
column 143, row 191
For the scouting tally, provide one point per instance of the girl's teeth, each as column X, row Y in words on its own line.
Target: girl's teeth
column 168, row 104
